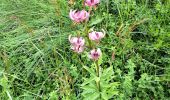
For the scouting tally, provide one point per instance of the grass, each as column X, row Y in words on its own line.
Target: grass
column 36, row 61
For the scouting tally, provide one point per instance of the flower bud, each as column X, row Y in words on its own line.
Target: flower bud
column 95, row 54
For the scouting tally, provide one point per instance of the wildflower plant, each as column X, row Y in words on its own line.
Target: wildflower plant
column 84, row 50
column 98, row 85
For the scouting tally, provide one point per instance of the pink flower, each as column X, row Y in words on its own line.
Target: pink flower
column 96, row 36
column 77, row 41
column 77, row 48
column 77, row 44
column 95, row 54
column 79, row 16
column 91, row 2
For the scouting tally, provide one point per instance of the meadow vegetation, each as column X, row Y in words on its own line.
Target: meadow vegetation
column 36, row 62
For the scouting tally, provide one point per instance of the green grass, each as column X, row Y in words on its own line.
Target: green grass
column 36, row 61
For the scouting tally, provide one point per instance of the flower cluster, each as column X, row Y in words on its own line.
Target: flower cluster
column 78, row 43
column 82, row 15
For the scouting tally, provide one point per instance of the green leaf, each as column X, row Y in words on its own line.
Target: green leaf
column 111, row 93
column 107, row 74
column 4, row 83
column 86, row 80
column 95, row 21
column 104, row 95
column 53, row 95
column 100, row 61
column 88, row 89
column 92, row 96
column 89, row 70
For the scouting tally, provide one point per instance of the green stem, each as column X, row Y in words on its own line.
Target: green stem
column 83, row 3
column 98, row 75
column 86, row 32
column 96, row 62
column 97, row 68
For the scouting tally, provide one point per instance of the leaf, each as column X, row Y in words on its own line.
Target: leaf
column 53, row 95
column 89, row 70
column 88, row 89
column 112, row 93
column 96, row 21
column 92, row 96
column 100, row 61
column 104, row 95
column 4, row 83
column 107, row 72
column 114, row 84
column 27, row 96
column 86, row 81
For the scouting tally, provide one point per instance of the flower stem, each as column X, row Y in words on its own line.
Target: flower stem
column 86, row 32
column 97, row 68
column 98, row 75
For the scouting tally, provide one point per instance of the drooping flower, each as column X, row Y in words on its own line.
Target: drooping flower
column 77, row 44
column 91, row 2
column 77, row 48
column 77, row 41
column 96, row 36
column 79, row 16
column 95, row 54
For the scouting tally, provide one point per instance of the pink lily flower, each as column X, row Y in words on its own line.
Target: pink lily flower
column 95, row 54
column 96, row 36
column 77, row 44
column 91, row 2
column 77, row 41
column 79, row 16
column 77, row 48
